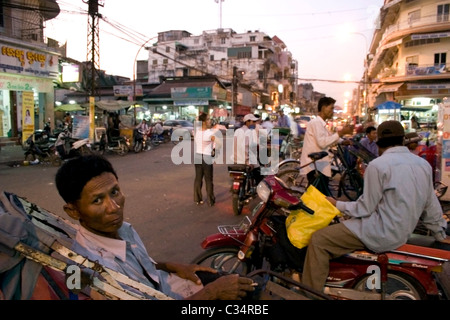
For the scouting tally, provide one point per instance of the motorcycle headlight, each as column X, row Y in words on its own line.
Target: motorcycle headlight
column 263, row 190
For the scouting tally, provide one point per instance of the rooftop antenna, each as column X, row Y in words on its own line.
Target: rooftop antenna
column 220, row 10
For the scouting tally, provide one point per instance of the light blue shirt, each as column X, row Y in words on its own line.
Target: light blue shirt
column 398, row 190
column 129, row 256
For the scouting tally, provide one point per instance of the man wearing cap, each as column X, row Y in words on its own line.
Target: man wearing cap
column 412, row 142
column 387, row 212
column 245, row 147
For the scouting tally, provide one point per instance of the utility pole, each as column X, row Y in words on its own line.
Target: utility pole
column 234, row 92
column 92, row 59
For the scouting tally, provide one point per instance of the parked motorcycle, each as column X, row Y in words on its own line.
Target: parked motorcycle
column 41, row 153
column 243, row 186
column 259, row 246
column 119, row 145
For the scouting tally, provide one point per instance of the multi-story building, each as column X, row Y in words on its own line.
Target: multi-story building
column 407, row 62
column 253, row 60
column 29, row 65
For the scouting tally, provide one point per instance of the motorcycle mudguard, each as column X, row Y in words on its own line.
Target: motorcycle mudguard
column 221, row 240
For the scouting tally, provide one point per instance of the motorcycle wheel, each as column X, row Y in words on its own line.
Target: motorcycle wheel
column 351, row 185
column 155, row 141
column 223, row 259
column 123, row 150
column 55, row 160
column 138, row 146
column 30, row 157
column 238, row 205
column 399, row 286
column 292, row 178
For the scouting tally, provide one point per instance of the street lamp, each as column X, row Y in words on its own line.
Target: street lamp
column 220, row 10
column 134, row 74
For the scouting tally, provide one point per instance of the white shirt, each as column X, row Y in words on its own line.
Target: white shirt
column 202, row 140
column 317, row 138
column 245, row 146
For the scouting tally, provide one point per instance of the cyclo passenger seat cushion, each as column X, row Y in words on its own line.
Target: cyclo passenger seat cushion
column 238, row 167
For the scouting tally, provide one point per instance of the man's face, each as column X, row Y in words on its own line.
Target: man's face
column 328, row 111
column 372, row 135
column 100, row 207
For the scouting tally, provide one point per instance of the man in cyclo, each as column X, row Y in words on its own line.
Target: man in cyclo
column 89, row 186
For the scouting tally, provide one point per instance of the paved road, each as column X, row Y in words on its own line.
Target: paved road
column 159, row 199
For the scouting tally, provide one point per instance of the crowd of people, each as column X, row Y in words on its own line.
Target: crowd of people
column 378, row 220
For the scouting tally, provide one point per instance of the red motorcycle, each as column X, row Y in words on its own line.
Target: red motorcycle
column 259, row 246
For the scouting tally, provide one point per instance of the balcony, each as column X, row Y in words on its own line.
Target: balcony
column 412, row 69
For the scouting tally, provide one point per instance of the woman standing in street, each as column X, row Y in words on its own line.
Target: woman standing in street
column 204, row 141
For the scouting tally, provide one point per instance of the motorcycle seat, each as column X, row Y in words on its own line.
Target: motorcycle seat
column 318, row 155
column 238, row 167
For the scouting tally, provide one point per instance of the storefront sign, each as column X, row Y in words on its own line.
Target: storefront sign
column 28, row 62
column 197, row 102
column 22, row 83
column 191, row 92
column 27, row 115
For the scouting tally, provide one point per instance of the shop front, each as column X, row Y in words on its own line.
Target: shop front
column 26, row 89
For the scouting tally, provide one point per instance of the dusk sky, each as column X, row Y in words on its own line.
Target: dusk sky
column 329, row 39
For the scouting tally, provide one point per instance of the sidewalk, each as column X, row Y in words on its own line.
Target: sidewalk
column 12, row 155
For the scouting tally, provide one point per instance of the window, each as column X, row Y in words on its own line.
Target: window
column 155, row 62
column 440, row 59
column 167, row 49
column 414, row 16
column 211, row 57
column 252, row 38
column 165, row 61
column 223, row 40
column 442, row 12
column 2, row 22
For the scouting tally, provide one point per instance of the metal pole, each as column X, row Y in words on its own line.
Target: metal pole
column 134, row 75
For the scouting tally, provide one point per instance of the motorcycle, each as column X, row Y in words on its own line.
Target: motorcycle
column 243, row 186
column 119, row 145
column 259, row 246
column 41, row 153
column 140, row 141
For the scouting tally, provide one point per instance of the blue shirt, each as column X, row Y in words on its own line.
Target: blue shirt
column 129, row 256
column 369, row 145
column 398, row 190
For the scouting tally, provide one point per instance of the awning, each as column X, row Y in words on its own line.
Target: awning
column 388, row 105
column 69, row 107
column 113, row 105
column 389, row 87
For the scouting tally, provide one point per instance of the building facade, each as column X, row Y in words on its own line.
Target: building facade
column 253, row 60
column 28, row 66
column 407, row 62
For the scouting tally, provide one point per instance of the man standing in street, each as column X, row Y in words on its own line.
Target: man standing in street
column 319, row 138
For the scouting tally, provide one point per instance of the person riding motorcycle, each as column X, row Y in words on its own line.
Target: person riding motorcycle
column 245, row 148
column 141, row 129
column 398, row 191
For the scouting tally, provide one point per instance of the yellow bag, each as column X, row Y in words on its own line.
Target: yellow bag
column 300, row 225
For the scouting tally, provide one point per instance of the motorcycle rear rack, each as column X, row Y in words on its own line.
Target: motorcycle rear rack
column 235, row 229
